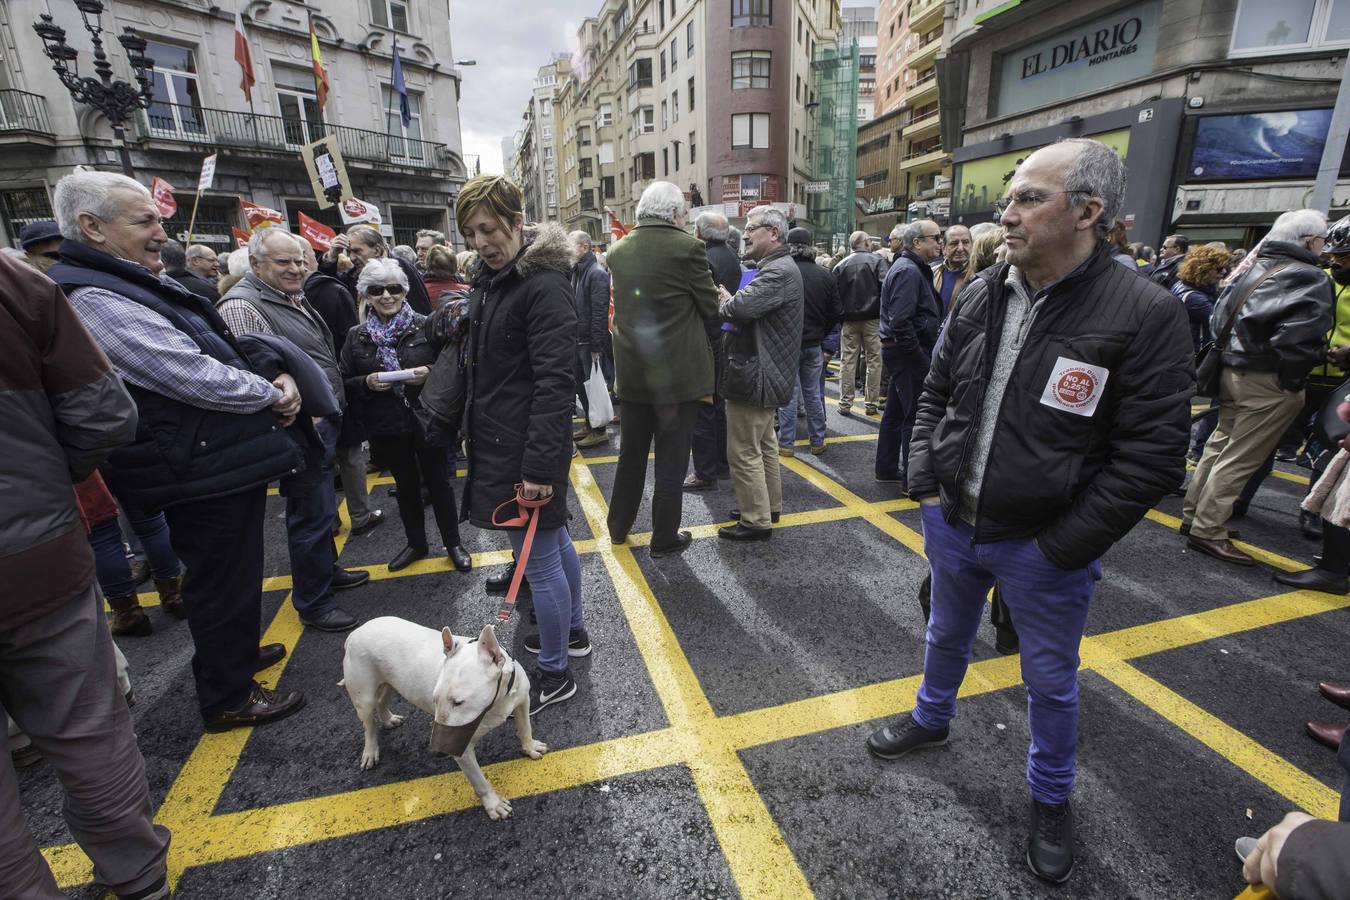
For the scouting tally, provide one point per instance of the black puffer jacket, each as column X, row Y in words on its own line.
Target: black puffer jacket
column 521, row 348
column 1283, row 326
column 1078, row 483
column 821, row 309
column 385, row 413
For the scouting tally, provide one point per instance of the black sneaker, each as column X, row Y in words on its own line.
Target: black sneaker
column 549, row 688
column 578, row 643
column 894, row 741
column 160, row 890
column 1050, row 846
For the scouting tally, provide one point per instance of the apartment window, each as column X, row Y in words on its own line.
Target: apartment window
column 607, row 185
column 406, row 140
column 665, row 115
column 177, row 106
column 674, row 54
column 644, row 120
column 640, row 73
column 799, row 89
column 693, row 149
column 691, row 93
column 750, row 131
column 665, row 162
column 661, row 16
column 301, row 122
column 799, row 29
column 674, row 106
column 548, row 133
column 689, row 39
column 586, row 167
column 644, row 166
column 663, row 65
column 583, row 136
column 751, row 13
column 605, row 117
column 390, row 14
column 750, row 69
column 1292, row 26
column 588, row 199
column 677, row 156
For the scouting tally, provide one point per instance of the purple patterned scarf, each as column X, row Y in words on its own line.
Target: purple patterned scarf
column 386, row 334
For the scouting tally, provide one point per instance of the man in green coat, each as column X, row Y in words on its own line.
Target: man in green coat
column 663, row 366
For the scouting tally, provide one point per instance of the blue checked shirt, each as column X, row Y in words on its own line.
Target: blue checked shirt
column 147, row 351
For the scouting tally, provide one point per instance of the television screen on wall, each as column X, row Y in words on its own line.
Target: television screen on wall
column 1284, row 144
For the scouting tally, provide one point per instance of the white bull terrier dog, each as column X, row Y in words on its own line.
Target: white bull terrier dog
column 468, row 686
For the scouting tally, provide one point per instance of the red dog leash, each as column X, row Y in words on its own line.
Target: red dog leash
column 530, row 519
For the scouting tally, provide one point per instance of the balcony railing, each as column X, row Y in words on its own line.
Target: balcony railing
column 21, row 111
column 228, row 128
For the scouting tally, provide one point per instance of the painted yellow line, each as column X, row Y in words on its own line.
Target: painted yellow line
column 902, row 533
column 1257, row 553
column 801, row 442
column 1235, row 747
column 1290, row 476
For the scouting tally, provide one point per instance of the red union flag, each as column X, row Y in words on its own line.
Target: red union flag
column 260, row 216
column 617, row 229
column 319, row 235
column 162, row 191
column 240, row 238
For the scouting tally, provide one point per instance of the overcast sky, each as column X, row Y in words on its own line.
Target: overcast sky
column 510, row 41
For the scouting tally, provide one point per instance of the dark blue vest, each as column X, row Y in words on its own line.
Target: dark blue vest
column 182, row 452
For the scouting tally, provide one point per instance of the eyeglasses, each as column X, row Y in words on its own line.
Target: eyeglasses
column 756, row 227
column 393, row 290
column 1029, row 199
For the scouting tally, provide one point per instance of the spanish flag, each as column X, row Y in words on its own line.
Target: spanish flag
column 320, row 73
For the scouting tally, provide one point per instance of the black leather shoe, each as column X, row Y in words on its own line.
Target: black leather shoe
column 501, row 582
column 1310, row 524
column 682, row 542
column 460, row 557
column 694, row 483
column 406, row 557
column 370, row 524
column 269, row 655
column 1316, row 580
column 894, row 741
column 336, row 619
column 735, row 516
column 1006, row 641
column 349, row 578
column 1050, row 846
column 261, row 707
column 739, row 532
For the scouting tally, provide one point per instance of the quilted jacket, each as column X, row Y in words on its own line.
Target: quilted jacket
column 761, row 360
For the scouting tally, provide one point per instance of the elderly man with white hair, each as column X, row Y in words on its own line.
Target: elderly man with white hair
column 212, row 431
column 1271, row 325
column 663, row 366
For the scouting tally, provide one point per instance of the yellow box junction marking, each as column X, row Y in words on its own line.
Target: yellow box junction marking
column 757, row 854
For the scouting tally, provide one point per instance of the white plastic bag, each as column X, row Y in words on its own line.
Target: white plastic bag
column 597, row 398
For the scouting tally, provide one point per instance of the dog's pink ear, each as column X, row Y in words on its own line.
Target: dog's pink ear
column 449, row 640
column 487, row 643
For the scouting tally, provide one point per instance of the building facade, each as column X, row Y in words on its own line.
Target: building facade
column 412, row 173
column 858, row 22
column 1220, row 108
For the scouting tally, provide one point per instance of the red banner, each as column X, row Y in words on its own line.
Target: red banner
column 240, row 238
column 260, row 216
column 162, row 191
column 319, row 235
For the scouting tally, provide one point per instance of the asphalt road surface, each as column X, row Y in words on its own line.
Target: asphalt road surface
column 716, row 746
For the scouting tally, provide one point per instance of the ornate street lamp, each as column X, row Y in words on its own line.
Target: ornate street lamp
column 117, row 100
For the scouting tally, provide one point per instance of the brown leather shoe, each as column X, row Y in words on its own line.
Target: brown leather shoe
column 1185, row 531
column 171, row 596
column 1222, row 549
column 1336, row 693
column 261, row 707
column 1328, row 734
column 128, row 619
column 269, row 655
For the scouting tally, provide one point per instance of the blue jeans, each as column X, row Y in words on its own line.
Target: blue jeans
column 554, row 573
column 1049, row 608
column 808, row 382
column 110, row 561
column 310, row 511
column 906, row 372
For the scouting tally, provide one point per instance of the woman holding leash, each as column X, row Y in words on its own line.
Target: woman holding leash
column 518, row 413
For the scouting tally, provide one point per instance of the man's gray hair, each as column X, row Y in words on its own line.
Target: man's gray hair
column 197, row 250
column 368, row 235
column 909, row 233
column 381, row 271
column 437, row 237
column 661, row 200
column 405, row 253
column 734, row 238
column 1296, row 226
column 980, row 228
column 172, row 255
column 898, row 232
column 93, row 193
column 712, row 226
column 771, row 217
column 1096, row 172
column 858, row 240
column 260, row 237
column 580, row 237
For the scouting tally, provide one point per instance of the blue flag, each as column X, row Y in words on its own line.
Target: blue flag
column 401, row 89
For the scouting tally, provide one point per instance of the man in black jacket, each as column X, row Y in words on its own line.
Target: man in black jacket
column 820, row 311
column 1279, row 336
column 590, row 286
column 175, row 266
column 710, row 431
column 1170, row 256
column 859, row 276
column 1055, row 416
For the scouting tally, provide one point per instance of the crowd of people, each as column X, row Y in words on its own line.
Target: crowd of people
column 156, row 390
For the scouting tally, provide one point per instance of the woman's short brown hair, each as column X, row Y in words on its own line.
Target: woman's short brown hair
column 1204, row 266
column 497, row 194
column 441, row 262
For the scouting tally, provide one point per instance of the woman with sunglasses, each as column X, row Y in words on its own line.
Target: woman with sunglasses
column 390, row 338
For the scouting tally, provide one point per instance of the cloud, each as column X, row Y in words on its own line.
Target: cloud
column 510, row 46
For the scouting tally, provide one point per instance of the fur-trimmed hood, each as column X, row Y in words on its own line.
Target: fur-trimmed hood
column 547, row 249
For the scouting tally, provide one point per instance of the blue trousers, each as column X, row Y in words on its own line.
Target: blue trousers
column 907, row 372
column 310, row 511
column 554, row 573
column 114, row 570
column 809, row 388
column 1049, row 608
